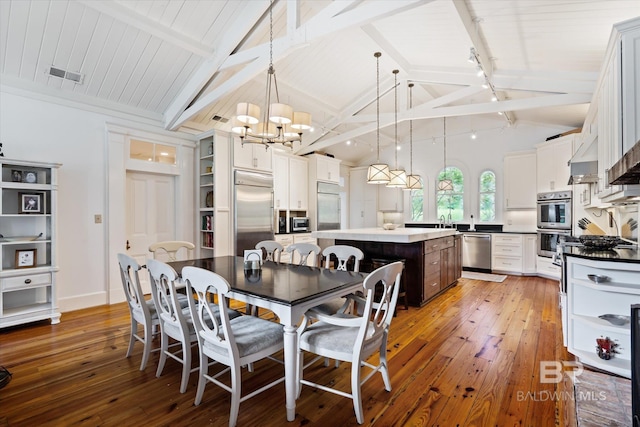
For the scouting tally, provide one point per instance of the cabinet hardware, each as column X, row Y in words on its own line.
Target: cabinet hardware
column 27, row 281
column 128, row 246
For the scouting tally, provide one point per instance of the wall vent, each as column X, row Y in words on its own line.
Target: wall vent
column 67, row 75
column 220, row 119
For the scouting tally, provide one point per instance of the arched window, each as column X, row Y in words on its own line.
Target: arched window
column 416, row 198
column 450, row 203
column 487, row 196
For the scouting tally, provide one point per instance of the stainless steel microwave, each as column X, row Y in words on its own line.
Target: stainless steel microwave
column 299, row 224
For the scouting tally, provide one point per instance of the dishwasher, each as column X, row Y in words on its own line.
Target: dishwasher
column 476, row 252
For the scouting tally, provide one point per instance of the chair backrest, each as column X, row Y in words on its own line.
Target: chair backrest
column 163, row 280
column 272, row 250
column 377, row 314
column 304, row 250
column 200, row 283
column 170, row 249
column 129, row 269
column 343, row 253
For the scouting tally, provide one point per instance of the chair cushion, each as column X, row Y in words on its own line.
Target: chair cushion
column 252, row 335
column 323, row 338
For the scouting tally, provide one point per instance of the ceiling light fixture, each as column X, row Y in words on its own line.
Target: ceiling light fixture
column 445, row 184
column 378, row 173
column 397, row 176
column 414, row 182
column 474, row 58
column 280, row 124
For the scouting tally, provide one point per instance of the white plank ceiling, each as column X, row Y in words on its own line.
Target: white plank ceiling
column 182, row 62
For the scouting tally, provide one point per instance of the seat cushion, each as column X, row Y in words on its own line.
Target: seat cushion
column 252, row 335
column 331, row 340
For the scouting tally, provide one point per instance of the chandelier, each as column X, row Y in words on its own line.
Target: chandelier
column 378, row 173
column 279, row 123
column 414, row 182
column 397, row 176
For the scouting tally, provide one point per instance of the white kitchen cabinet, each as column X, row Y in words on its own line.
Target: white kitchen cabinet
column 390, row 199
column 529, row 254
column 285, row 240
column 552, row 164
column 506, row 253
column 281, row 182
column 252, row 156
column 28, row 261
column 618, row 106
column 362, row 199
column 323, row 168
column 214, row 196
column 520, row 180
column 546, row 268
column 586, row 300
column 298, row 184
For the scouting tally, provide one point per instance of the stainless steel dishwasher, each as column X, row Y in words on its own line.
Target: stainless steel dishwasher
column 476, row 251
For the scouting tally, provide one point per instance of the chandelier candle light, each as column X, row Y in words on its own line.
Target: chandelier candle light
column 378, row 173
column 397, row 176
column 280, row 124
column 414, row 182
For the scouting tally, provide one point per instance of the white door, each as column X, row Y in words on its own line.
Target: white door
column 150, row 215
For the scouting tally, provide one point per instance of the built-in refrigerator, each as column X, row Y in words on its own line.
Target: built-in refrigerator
column 328, row 206
column 253, row 206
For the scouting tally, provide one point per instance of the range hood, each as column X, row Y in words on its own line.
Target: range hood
column 584, row 172
column 627, row 169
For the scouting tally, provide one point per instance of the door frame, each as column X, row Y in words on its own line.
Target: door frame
column 118, row 163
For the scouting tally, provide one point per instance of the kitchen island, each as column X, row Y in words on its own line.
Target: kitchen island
column 432, row 256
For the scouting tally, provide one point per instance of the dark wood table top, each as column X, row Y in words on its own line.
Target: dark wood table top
column 285, row 283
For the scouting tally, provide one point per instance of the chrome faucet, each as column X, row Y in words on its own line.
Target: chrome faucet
column 442, row 221
column 449, row 219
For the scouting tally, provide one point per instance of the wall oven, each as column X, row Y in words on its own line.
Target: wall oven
column 554, row 210
column 549, row 241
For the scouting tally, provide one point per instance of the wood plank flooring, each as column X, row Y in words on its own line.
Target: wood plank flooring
column 470, row 357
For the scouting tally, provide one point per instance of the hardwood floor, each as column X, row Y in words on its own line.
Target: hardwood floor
column 470, row 357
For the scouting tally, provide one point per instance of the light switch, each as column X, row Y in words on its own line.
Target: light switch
column 98, row 218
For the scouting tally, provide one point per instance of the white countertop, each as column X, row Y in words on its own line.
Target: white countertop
column 399, row 235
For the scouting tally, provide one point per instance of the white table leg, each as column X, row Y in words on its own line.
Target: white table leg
column 290, row 369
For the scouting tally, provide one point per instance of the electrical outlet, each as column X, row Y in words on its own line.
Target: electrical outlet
column 97, row 219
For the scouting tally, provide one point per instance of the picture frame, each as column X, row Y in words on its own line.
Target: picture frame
column 16, row 175
column 30, row 176
column 26, row 258
column 31, row 203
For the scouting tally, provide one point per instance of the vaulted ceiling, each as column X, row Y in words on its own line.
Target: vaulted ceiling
column 186, row 64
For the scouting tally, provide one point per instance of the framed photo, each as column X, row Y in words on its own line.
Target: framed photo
column 26, row 258
column 30, row 176
column 30, row 203
column 16, row 175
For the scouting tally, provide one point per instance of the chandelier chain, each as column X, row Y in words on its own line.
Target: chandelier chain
column 395, row 75
column 411, row 130
column 377, row 55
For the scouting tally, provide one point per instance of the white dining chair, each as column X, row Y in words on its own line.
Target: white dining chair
column 168, row 250
column 142, row 311
column 232, row 342
column 304, row 251
column 272, row 250
column 175, row 318
column 352, row 338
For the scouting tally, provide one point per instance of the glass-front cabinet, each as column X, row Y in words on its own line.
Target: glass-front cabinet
column 28, row 242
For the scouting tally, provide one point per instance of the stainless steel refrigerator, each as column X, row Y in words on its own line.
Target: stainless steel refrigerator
column 253, row 199
column 328, row 206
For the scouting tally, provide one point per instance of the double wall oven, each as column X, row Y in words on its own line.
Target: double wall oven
column 554, row 220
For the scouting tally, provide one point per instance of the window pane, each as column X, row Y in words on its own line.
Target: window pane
column 487, row 207
column 417, row 205
column 487, row 182
column 141, row 150
column 450, row 204
column 165, row 154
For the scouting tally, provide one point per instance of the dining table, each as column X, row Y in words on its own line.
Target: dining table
column 288, row 290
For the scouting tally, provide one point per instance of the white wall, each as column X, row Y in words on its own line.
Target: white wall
column 473, row 157
column 39, row 130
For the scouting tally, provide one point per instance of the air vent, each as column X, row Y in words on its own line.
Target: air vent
column 67, row 75
column 220, row 119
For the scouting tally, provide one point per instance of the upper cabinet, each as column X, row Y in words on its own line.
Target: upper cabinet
column 323, row 168
column 520, row 180
column 362, row 199
column 251, row 156
column 552, row 164
column 390, row 199
column 290, row 182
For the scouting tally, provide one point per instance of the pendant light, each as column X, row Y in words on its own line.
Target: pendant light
column 397, row 176
column 414, row 182
column 378, row 173
column 445, row 184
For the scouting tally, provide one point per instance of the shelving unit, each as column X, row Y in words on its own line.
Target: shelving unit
column 28, row 246
column 587, row 300
column 206, row 208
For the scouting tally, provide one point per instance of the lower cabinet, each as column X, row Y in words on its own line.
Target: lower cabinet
column 513, row 253
column 288, row 239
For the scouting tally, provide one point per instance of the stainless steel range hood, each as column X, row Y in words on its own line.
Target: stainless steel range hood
column 583, row 172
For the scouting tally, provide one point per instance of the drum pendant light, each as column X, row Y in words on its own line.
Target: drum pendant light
column 378, row 173
column 414, row 182
column 398, row 177
column 445, row 184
